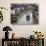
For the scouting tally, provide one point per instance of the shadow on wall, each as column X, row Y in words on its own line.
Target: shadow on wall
column 0, row 42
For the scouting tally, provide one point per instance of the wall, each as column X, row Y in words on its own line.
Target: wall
column 23, row 30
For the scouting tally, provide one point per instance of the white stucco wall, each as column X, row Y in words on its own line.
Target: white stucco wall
column 23, row 30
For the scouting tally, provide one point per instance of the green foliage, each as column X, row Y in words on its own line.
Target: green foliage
column 3, row 8
column 1, row 15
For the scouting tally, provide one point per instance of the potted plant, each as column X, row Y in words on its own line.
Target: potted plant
column 39, row 34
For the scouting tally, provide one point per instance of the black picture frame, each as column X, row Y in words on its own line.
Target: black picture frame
column 17, row 9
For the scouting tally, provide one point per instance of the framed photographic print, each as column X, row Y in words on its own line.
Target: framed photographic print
column 24, row 14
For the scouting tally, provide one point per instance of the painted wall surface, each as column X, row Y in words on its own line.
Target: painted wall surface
column 23, row 30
